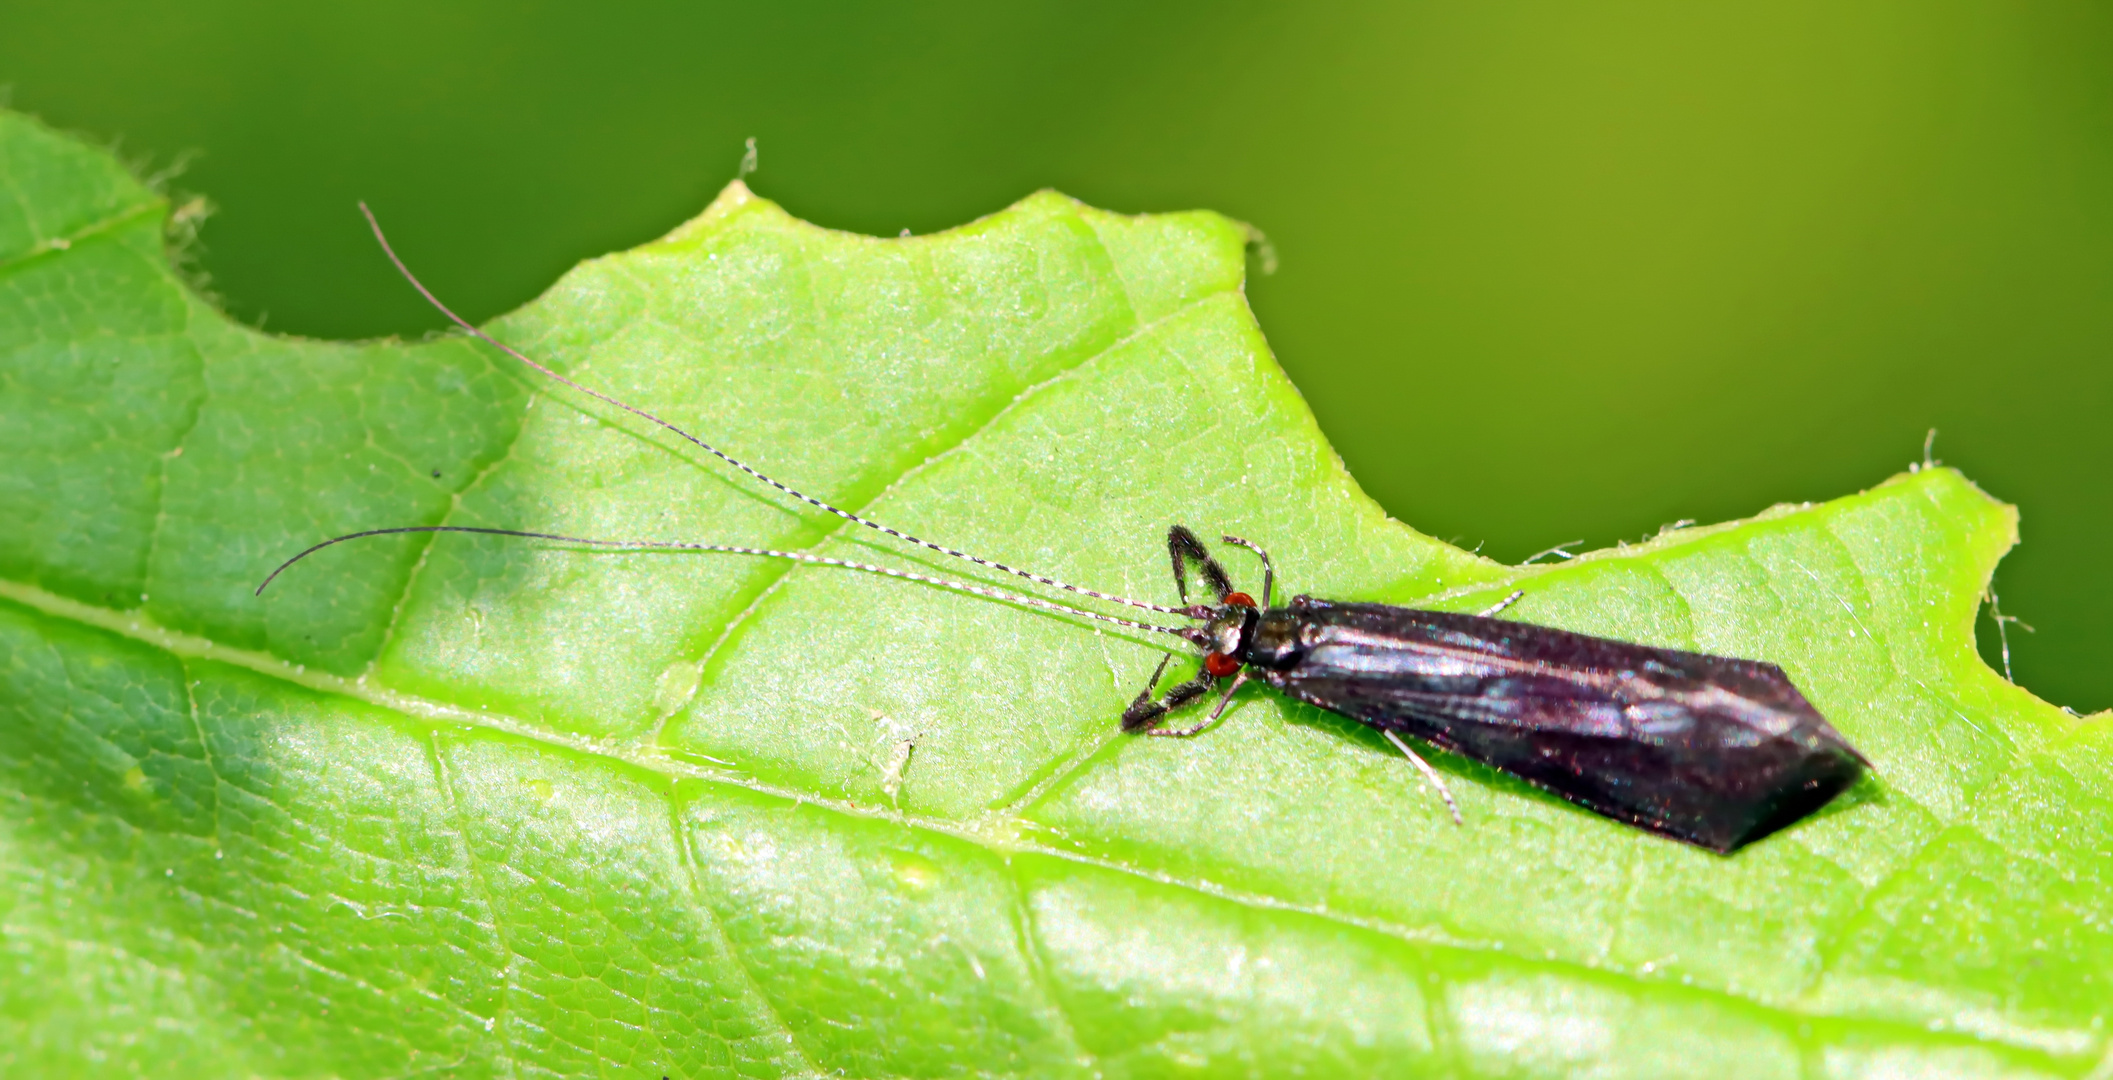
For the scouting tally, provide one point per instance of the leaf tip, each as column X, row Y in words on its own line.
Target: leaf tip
column 735, row 195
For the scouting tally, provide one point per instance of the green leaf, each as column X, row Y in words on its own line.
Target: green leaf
column 482, row 806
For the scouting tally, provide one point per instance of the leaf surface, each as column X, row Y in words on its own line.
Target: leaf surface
column 491, row 807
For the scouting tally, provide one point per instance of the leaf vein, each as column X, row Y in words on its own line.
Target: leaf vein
column 775, row 573
column 93, row 229
column 508, row 983
column 694, row 890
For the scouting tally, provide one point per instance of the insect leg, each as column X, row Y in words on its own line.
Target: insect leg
column 1428, row 773
column 1140, row 708
column 1144, row 712
column 1183, row 548
column 1223, row 701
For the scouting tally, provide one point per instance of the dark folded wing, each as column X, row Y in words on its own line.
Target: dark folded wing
column 1707, row 749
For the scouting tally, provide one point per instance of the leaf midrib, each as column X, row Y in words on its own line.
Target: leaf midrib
column 993, row 834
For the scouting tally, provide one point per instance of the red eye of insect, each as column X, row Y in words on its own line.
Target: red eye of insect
column 1239, row 599
column 1220, row 665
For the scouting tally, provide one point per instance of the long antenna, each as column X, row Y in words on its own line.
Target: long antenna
column 1183, row 632
column 722, row 455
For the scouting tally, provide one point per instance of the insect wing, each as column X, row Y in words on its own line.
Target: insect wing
column 1707, row 749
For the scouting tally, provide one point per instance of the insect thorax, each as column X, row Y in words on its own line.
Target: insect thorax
column 1272, row 639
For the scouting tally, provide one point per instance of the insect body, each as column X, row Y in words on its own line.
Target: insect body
column 1706, row 749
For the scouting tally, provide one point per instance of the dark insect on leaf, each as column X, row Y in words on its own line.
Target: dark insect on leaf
column 1708, row 749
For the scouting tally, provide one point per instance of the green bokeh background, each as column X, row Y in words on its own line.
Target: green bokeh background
column 1548, row 272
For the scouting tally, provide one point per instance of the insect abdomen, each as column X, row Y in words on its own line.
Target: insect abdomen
column 1708, row 749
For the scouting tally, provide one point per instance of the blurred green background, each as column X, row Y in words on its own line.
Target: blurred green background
column 1548, row 272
